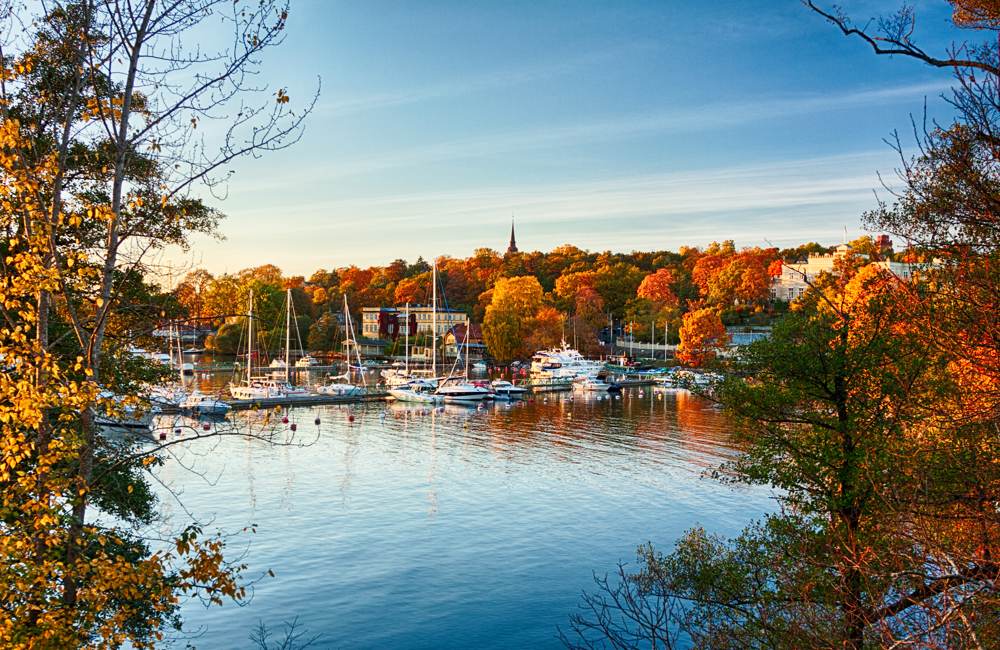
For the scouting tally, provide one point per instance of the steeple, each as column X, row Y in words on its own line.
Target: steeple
column 513, row 243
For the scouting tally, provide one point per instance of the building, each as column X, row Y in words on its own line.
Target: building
column 795, row 279
column 456, row 341
column 512, row 247
column 390, row 322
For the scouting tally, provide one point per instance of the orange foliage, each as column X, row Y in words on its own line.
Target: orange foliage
column 658, row 287
column 702, row 336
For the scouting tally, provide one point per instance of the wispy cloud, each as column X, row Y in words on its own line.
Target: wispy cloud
column 772, row 200
column 780, row 202
column 486, row 81
column 714, row 116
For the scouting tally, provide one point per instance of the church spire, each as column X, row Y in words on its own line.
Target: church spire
column 513, row 243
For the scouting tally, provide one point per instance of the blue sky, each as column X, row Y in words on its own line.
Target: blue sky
column 611, row 125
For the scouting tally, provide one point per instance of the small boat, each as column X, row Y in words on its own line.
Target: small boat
column 306, row 362
column 167, row 397
column 125, row 417
column 591, row 384
column 505, row 389
column 416, row 391
column 340, row 388
column 462, row 391
column 278, row 364
column 202, row 404
column 480, row 365
column 195, row 351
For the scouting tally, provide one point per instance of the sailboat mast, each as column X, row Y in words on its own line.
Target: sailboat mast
column 180, row 354
column 407, row 340
column 465, row 345
column 250, row 339
column 434, row 318
column 288, row 332
column 666, row 339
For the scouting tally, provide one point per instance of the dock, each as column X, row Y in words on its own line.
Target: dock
column 294, row 400
column 305, row 400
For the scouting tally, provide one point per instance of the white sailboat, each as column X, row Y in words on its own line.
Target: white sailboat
column 410, row 389
column 342, row 386
column 256, row 387
column 460, row 389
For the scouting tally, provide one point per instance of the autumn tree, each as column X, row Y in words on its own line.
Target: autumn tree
column 702, row 336
column 513, row 305
column 658, row 288
column 99, row 104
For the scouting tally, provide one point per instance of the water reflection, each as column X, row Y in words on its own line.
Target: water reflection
column 423, row 527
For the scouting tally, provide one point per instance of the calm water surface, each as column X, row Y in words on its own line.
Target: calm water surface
column 467, row 528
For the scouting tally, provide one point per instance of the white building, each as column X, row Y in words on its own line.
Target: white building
column 382, row 322
column 795, row 279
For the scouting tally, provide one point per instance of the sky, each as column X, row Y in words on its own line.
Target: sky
column 608, row 125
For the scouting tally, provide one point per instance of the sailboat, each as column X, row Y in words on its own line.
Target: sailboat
column 256, row 387
column 171, row 395
column 342, row 385
column 412, row 389
column 459, row 388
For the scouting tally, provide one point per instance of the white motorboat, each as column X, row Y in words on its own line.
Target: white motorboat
column 278, row 364
column 202, row 404
column 340, row 388
column 591, row 384
column 462, row 391
column 562, row 363
column 504, row 388
column 480, row 365
column 117, row 415
column 306, row 361
column 416, row 391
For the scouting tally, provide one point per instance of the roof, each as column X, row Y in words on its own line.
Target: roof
column 475, row 333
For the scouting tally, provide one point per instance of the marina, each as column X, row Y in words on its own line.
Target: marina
column 450, row 510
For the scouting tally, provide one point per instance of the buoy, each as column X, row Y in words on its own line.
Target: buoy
column 206, row 426
column 163, row 435
column 350, row 418
column 316, row 421
column 294, row 426
column 284, row 420
column 177, row 431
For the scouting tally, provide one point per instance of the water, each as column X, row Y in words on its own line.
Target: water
column 468, row 528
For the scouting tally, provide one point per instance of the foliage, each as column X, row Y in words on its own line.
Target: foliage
column 702, row 335
column 96, row 164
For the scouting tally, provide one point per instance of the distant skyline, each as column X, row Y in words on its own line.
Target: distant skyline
column 624, row 126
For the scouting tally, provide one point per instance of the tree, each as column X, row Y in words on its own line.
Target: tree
column 513, row 305
column 94, row 176
column 658, row 287
column 324, row 334
column 702, row 336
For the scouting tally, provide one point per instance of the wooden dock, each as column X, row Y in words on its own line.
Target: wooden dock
column 305, row 400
